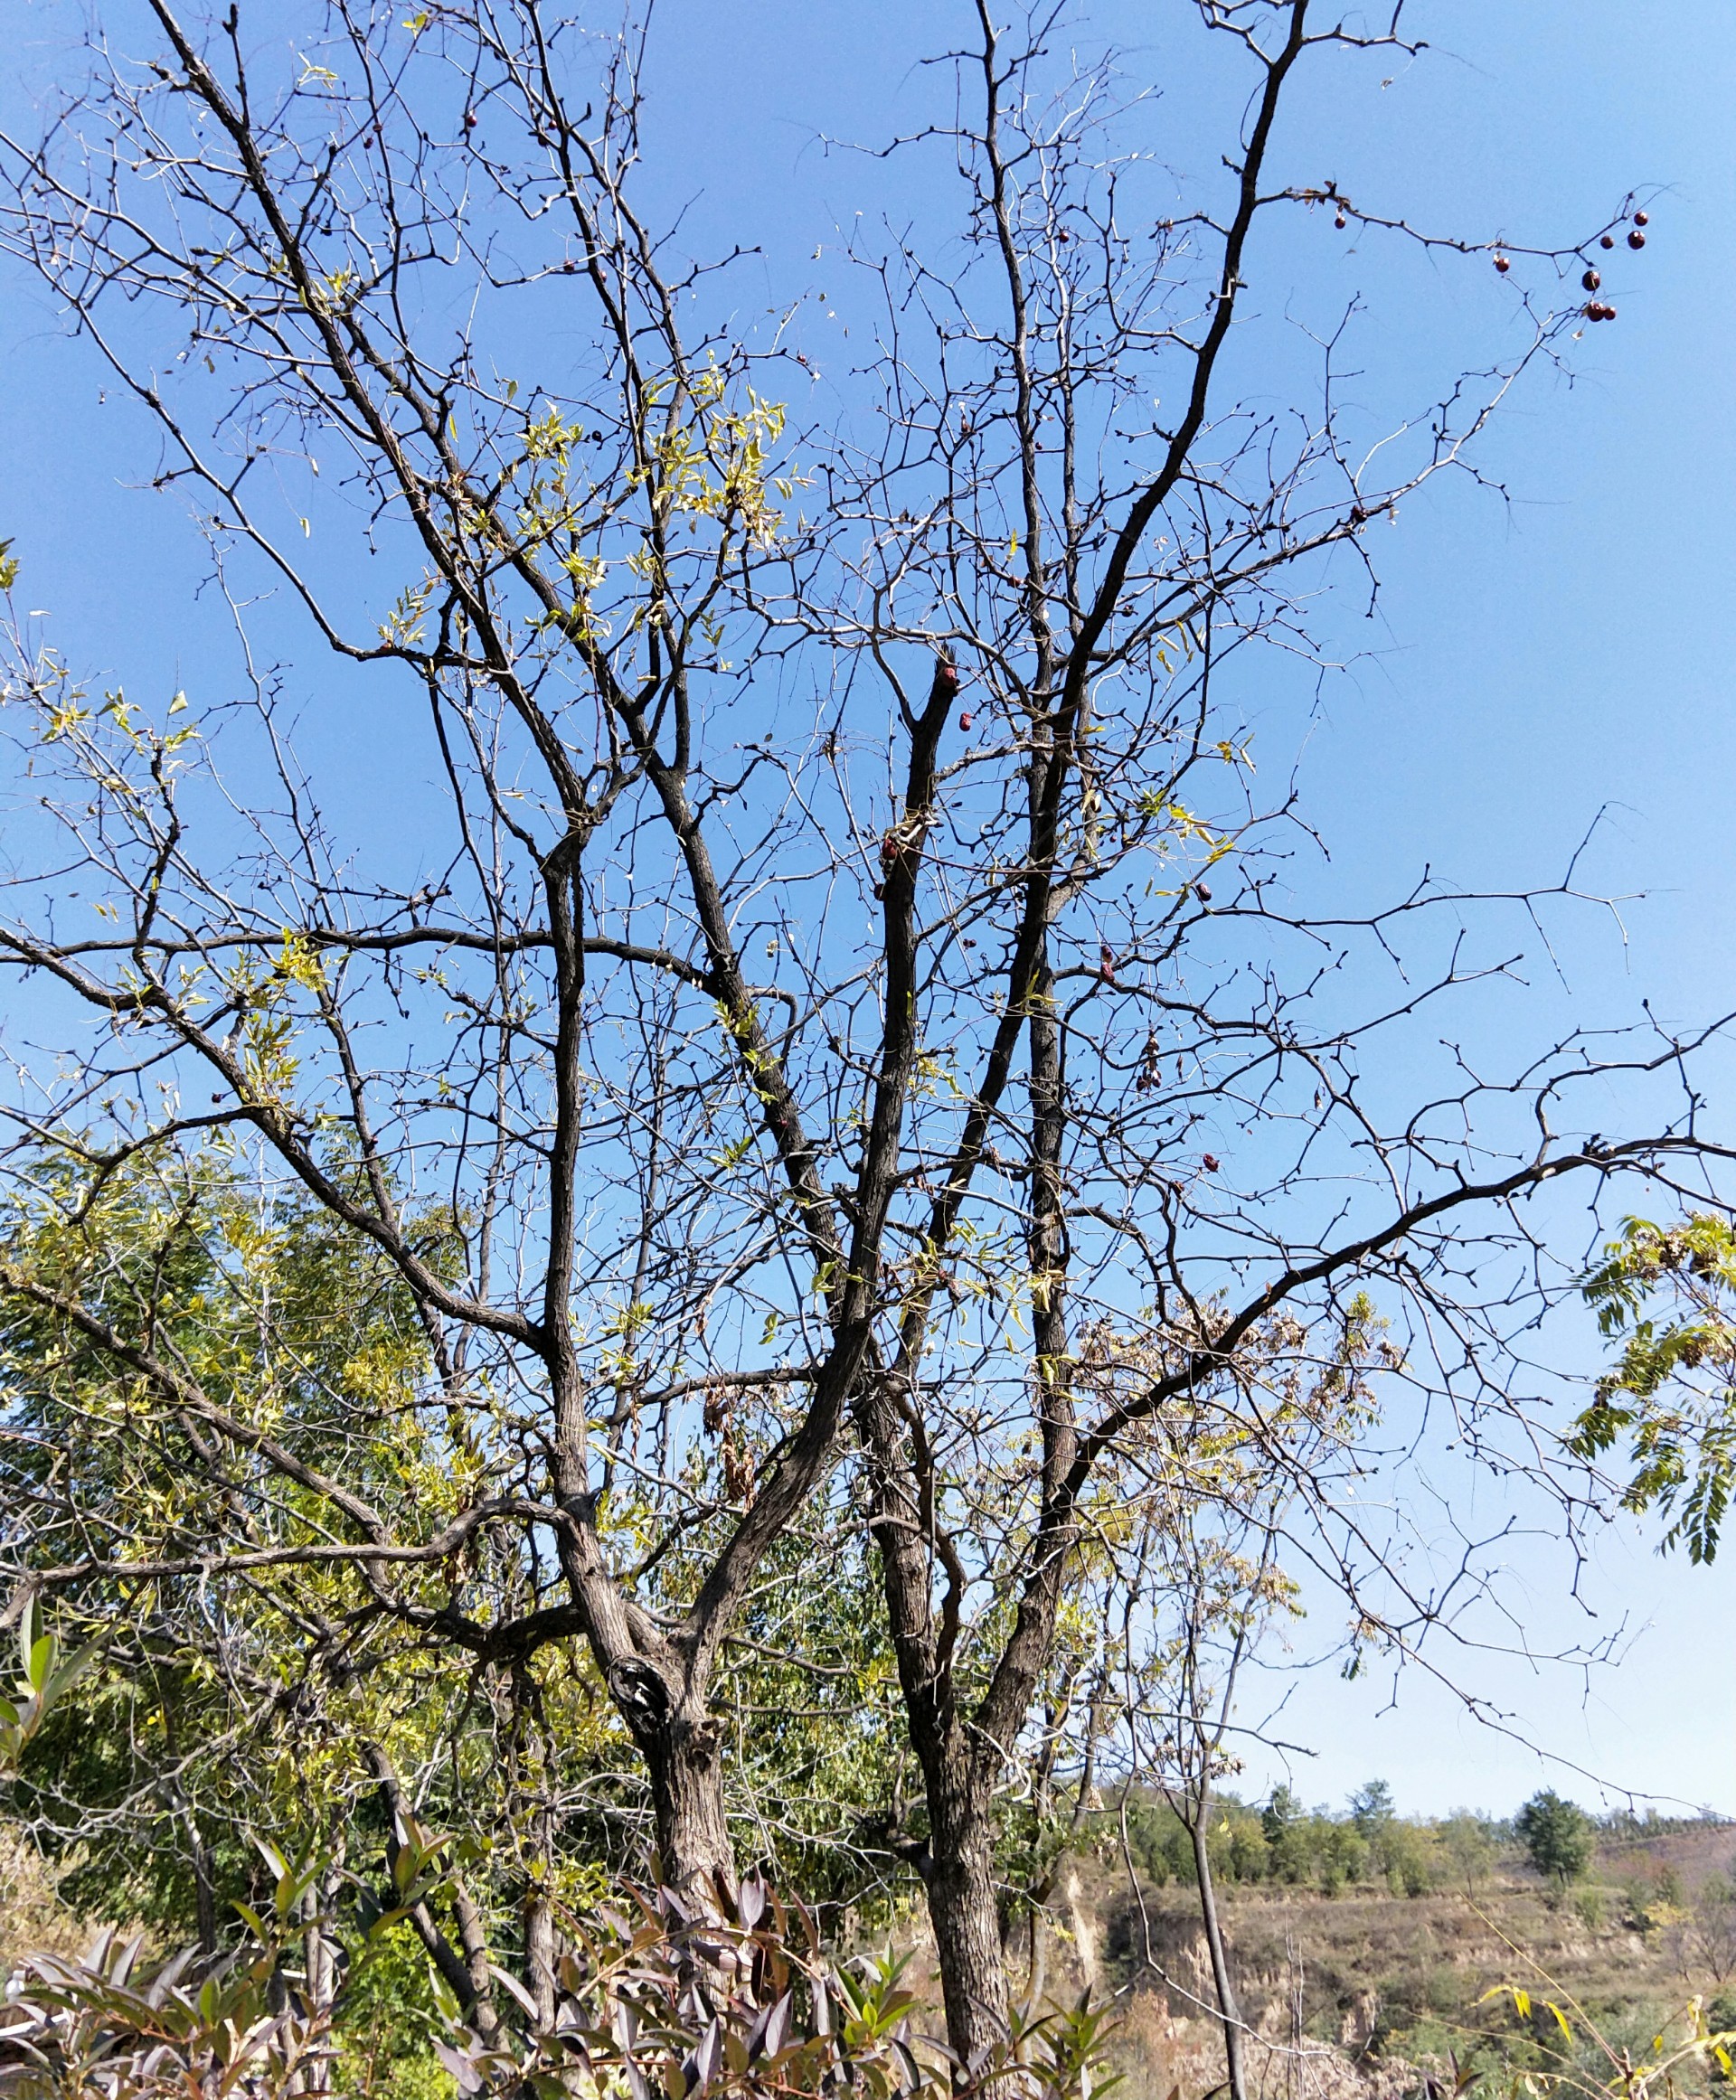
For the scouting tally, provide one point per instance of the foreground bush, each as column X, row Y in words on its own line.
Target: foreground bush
column 97, row 2026
column 651, row 2005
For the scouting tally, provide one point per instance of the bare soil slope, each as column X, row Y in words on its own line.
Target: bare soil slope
column 1361, row 1992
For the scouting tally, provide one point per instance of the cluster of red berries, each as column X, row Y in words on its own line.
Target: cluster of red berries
column 1597, row 309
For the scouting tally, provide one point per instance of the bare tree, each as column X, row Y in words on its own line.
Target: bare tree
column 1070, row 497
column 559, row 1044
column 841, row 923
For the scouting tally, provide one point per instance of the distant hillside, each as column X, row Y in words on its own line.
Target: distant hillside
column 1354, row 1995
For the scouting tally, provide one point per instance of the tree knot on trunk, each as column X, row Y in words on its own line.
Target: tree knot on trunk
column 639, row 1690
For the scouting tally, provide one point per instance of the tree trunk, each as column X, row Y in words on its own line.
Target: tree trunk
column 1036, row 1960
column 963, row 1911
column 205, row 1890
column 473, row 1941
column 539, row 1953
column 697, row 1859
column 468, row 1974
column 320, row 1969
column 1228, row 2011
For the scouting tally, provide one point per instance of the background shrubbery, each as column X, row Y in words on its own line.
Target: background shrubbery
column 1368, row 1844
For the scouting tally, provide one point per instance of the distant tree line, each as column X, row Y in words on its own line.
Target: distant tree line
column 1369, row 1844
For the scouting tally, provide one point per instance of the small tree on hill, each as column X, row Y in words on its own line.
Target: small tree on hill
column 1469, row 1845
column 1370, row 1807
column 1285, row 1824
column 1556, row 1835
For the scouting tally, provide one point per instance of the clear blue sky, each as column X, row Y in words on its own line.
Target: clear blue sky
column 1531, row 663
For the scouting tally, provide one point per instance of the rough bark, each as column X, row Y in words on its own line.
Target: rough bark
column 697, row 1858
column 962, row 1907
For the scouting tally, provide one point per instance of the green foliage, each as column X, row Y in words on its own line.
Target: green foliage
column 1578, row 2057
column 388, row 2020
column 1284, row 1823
column 1557, row 1835
column 1720, row 2018
column 1371, row 1808
column 1341, row 1851
column 1470, row 1846
column 269, row 1710
column 1409, row 1858
column 101, row 2025
column 1284, row 1843
column 1670, row 1398
column 45, row 1676
column 268, row 1698
column 96, row 2025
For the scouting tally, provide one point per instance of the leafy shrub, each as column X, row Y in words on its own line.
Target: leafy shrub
column 97, row 2026
column 1579, row 2057
column 651, row 2004
column 657, row 2003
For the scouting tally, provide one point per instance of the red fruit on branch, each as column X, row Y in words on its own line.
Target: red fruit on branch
column 1209, row 1161
column 1636, row 239
column 1341, row 221
column 1502, row 265
column 1591, row 281
column 1609, row 240
column 1642, row 218
column 964, row 719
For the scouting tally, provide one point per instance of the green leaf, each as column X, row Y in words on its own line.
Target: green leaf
column 273, row 1859
column 39, row 1663
column 30, row 1631
column 69, row 1674
column 445, row 1997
